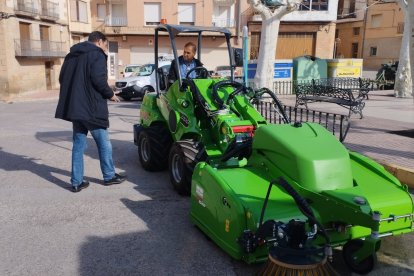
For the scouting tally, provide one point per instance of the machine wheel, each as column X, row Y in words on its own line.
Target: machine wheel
column 184, row 156
column 154, row 143
column 365, row 266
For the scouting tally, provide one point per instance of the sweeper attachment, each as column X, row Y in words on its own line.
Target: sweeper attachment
column 285, row 193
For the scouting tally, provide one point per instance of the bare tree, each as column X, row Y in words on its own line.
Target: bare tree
column 410, row 13
column 271, row 17
column 403, row 79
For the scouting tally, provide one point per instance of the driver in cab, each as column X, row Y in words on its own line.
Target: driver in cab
column 186, row 62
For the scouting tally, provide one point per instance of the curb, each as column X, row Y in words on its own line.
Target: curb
column 405, row 175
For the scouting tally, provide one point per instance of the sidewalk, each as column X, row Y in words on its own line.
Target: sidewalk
column 371, row 136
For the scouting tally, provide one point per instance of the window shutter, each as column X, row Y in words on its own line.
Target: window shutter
column 185, row 13
column 73, row 11
column 83, row 12
column 152, row 13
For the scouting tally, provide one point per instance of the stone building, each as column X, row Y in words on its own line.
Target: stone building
column 370, row 30
column 37, row 34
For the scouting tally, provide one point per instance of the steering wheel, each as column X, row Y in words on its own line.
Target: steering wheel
column 238, row 87
column 203, row 74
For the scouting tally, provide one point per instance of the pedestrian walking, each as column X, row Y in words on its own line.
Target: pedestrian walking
column 84, row 92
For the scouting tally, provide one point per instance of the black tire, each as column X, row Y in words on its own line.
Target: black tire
column 154, row 144
column 363, row 267
column 126, row 98
column 145, row 90
column 184, row 156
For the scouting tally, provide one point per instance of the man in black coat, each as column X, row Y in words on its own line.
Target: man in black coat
column 186, row 62
column 84, row 92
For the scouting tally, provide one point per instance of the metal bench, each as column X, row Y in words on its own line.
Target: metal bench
column 324, row 91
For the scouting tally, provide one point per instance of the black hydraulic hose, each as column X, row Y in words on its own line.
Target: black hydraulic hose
column 196, row 94
column 300, row 202
column 238, row 88
column 277, row 102
column 302, row 205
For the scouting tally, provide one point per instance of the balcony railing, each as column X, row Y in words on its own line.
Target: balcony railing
column 223, row 22
column 116, row 21
column 39, row 48
column 50, row 10
column 346, row 13
column 27, row 7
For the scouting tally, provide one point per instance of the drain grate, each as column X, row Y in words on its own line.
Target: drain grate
column 407, row 133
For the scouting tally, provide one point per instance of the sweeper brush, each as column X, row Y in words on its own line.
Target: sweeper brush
column 286, row 194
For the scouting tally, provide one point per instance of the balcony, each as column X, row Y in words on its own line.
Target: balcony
column 26, row 8
column 38, row 48
column 224, row 2
column 112, row 21
column 346, row 13
column 50, row 10
column 223, row 22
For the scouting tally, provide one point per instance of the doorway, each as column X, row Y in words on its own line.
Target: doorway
column 48, row 74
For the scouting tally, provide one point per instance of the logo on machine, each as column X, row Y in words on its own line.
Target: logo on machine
column 184, row 120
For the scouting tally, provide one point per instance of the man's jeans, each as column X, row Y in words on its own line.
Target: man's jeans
column 101, row 137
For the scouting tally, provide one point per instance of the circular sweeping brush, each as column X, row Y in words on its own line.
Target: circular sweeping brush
column 291, row 254
column 275, row 267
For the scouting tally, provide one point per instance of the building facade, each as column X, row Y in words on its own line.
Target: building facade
column 129, row 25
column 37, row 34
column 33, row 39
column 370, row 30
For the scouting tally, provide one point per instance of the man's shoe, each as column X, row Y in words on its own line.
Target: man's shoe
column 83, row 185
column 117, row 179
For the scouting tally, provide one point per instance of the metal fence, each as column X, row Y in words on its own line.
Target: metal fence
column 287, row 87
column 338, row 124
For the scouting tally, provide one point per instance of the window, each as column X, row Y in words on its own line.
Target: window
column 101, row 11
column 152, row 13
column 355, row 30
column 223, row 16
column 373, row 51
column 376, row 20
column 186, row 14
column 400, row 28
column 354, row 50
column 352, row 7
column 314, row 5
column 79, row 11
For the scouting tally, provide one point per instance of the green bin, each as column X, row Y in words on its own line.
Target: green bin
column 309, row 67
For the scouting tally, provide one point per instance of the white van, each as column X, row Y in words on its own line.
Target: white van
column 129, row 70
column 140, row 82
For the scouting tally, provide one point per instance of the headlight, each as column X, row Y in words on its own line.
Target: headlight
column 131, row 83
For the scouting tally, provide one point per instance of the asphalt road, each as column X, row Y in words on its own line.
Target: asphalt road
column 140, row 227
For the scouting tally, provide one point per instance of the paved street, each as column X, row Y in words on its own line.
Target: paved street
column 140, row 227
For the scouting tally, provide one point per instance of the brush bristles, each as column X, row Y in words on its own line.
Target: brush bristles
column 274, row 267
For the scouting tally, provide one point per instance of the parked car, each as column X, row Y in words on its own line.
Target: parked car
column 129, row 70
column 140, row 82
column 225, row 72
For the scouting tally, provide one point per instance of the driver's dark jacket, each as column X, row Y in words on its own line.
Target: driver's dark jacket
column 173, row 74
column 84, row 88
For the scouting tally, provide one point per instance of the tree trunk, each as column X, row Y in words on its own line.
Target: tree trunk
column 410, row 26
column 403, row 80
column 268, row 43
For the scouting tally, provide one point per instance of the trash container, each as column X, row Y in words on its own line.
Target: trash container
column 308, row 68
column 345, row 68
